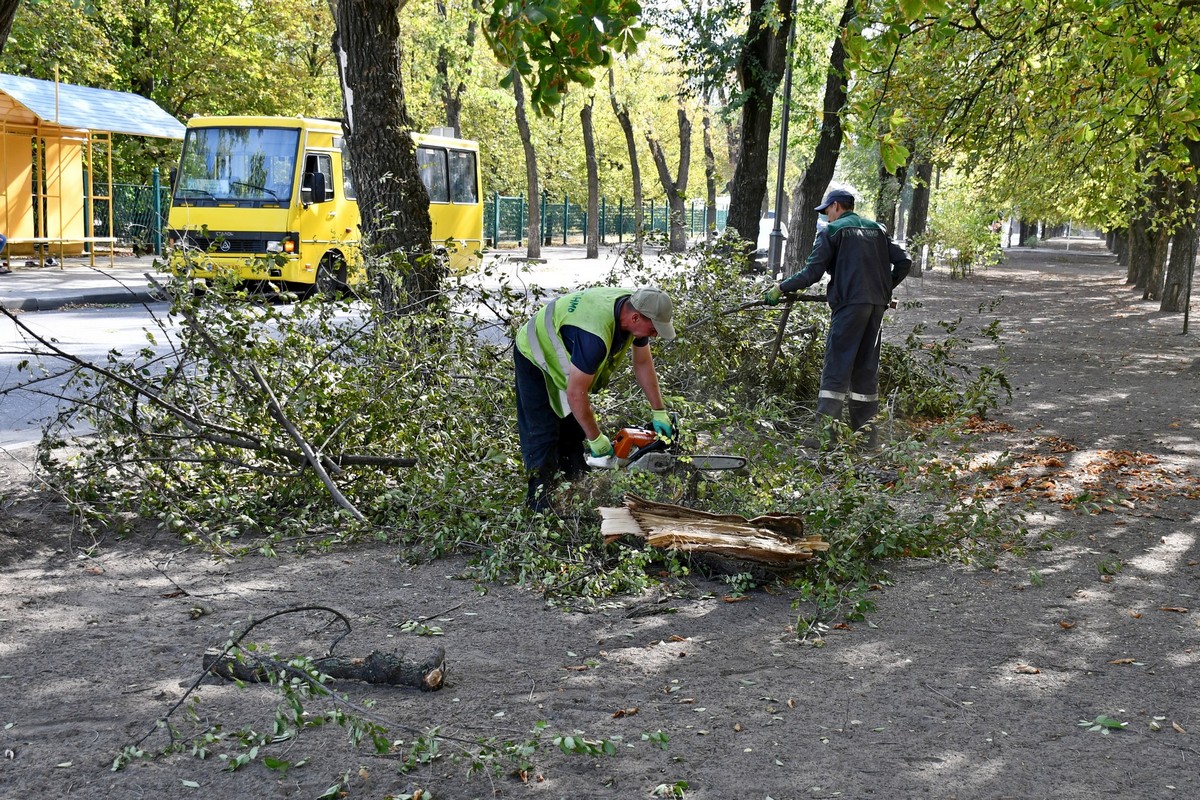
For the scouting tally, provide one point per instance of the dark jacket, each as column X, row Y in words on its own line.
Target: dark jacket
column 863, row 264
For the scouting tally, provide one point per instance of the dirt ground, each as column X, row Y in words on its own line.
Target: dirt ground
column 966, row 683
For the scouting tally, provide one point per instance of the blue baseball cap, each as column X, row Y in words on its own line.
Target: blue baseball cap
column 840, row 196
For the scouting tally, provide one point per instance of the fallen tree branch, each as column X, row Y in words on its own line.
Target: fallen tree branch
column 377, row 668
column 305, row 447
column 202, row 429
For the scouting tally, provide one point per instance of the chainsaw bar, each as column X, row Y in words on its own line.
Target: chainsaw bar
column 665, row 462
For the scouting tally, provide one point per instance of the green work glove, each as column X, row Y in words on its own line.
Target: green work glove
column 600, row 446
column 771, row 296
column 662, row 424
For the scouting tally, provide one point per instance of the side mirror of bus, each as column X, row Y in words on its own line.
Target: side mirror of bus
column 172, row 177
column 313, row 189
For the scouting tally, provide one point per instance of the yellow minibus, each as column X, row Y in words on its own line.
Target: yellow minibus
column 272, row 199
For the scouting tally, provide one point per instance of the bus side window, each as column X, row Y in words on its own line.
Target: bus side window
column 463, row 182
column 317, row 163
column 432, row 164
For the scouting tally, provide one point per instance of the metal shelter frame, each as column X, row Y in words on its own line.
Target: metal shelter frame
column 66, row 127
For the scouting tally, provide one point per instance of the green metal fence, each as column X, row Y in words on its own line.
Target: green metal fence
column 564, row 222
column 138, row 216
column 139, row 219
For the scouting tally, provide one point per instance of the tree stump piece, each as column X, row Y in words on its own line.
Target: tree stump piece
column 774, row 539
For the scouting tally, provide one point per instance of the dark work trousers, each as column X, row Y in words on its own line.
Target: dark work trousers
column 549, row 445
column 851, row 368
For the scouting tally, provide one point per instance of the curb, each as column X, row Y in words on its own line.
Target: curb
column 96, row 299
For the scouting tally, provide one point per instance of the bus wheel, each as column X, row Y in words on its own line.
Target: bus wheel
column 331, row 277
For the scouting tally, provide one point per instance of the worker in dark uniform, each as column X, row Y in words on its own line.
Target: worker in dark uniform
column 864, row 266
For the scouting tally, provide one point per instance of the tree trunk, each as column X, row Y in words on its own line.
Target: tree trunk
column 710, row 182
column 760, row 68
column 802, row 225
column 8, row 10
column 1183, row 248
column 1181, row 266
column 1137, row 275
column 733, row 138
column 1160, row 242
column 675, row 187
column 918, row 215
column 392, row 200
column 593, row 179
column 1120, row 245
column 887, row 197
column 533, row 230
column 452, row 91
column 635, row 170
column 1028, row 233
column 1153, row 240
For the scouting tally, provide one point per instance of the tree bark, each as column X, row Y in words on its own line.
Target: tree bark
column 802, row 224
column 918, row 215
column 8, row 11
column 1160, row 242
column 887, row 196
column 1149, row 248
column 1183, row 248
column 392, row 200
column 760, row 69
column 533, row 230
column 675, row 187
column 1138, row 272
column 635, row 170
column 593, row 179
column 1120, row 245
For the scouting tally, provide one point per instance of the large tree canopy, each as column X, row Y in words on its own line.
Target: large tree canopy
column 556, row 43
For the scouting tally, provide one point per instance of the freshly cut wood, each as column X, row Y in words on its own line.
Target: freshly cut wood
column 775, row 539
column 382, row 668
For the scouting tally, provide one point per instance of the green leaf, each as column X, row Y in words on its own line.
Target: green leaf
column 912, row 9
column 893, row 154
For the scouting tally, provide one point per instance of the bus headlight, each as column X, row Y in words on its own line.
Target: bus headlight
column 275, row 246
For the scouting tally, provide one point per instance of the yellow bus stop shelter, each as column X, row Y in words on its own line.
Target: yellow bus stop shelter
column 49, row 133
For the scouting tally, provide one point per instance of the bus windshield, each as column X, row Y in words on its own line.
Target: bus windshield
column 238, row 164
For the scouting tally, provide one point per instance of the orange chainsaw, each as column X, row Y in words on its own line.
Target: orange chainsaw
column 641, row 449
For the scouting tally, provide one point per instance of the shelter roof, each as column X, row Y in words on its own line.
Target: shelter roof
column 85, row 108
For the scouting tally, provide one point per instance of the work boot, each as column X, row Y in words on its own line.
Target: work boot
column 861, row 414
column 826, row 436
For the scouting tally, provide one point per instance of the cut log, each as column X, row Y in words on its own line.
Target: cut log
column 381, row 668
column 777, row 540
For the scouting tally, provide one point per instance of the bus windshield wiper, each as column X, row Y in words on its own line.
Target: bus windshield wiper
column 255, row 186
column 211, row 196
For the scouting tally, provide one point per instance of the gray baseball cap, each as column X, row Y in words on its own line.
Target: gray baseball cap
column 655, row 305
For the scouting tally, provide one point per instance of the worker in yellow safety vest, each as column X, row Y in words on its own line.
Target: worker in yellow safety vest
column 569, row 349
